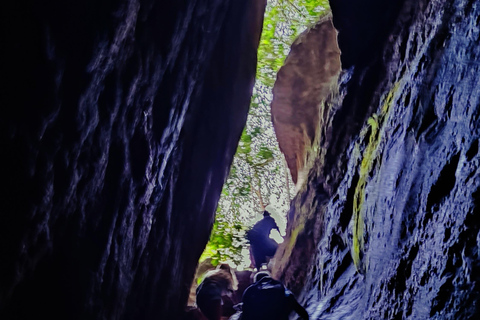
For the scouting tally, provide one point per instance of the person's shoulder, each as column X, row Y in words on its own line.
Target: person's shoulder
column 269, row 218
column 269, row 282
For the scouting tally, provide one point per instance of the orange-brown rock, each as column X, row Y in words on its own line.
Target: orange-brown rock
column 306, row 79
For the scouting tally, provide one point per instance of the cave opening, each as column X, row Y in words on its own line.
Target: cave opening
column 262, row 177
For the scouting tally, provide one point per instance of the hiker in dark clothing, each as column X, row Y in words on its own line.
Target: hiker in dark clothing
column 216, row 284
column 268, row 299
column 261, row 245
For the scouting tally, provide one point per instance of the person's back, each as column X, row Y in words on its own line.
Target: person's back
column 263, row 227
column 264, row 300
column 268, row 299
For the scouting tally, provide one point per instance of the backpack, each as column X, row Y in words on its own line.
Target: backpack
column 266, row 300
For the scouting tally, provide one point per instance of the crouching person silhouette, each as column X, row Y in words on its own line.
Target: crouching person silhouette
column 216, row 284
column 269, row 299
column 262, row 247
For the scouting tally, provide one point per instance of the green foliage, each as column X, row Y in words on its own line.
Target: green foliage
column 258, row 171
column 284, row 20
column 226, row 241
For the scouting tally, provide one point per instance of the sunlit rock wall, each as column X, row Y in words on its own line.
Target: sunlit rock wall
column 119, row 121
column 388, row 225
column 302, row 85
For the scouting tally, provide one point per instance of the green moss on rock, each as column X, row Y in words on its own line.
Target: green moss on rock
column 374, row 133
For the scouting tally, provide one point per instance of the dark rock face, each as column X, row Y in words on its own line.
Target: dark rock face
column 387, row 227
column 119, row 122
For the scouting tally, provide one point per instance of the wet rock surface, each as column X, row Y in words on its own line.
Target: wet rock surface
column 387, row 225
column 119, row 122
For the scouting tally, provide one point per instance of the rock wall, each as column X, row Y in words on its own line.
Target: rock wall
column 119, row 123
column 302, row 85
column 386, row 227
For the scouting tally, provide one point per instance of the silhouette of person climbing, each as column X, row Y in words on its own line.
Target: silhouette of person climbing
column 269, row 299
column 261, row 245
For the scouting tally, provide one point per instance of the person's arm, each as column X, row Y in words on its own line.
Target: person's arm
column 297, row 307
column 300, row 310
column 274, row 225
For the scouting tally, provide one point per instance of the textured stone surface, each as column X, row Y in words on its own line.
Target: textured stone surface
column 303, row 83
column 387, row 227
column 119, row 122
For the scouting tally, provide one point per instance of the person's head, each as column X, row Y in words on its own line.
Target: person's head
column 266, row 213
column 260, row 275
column 234, row 281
